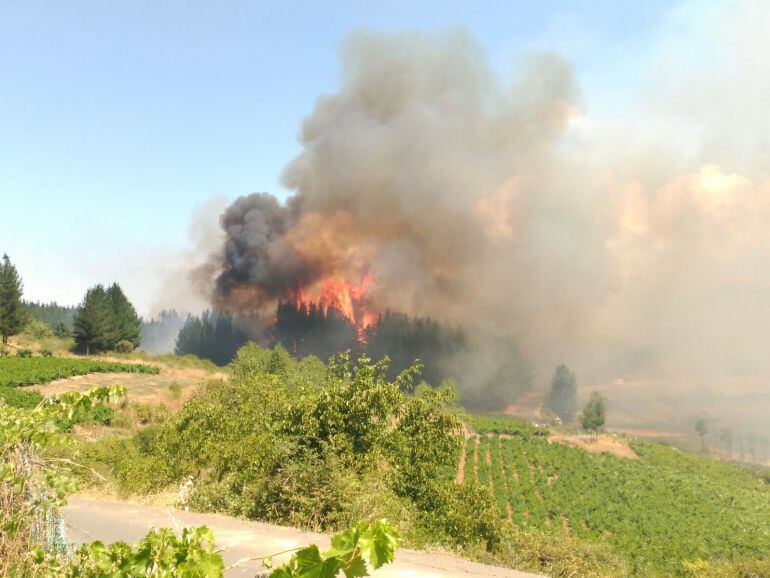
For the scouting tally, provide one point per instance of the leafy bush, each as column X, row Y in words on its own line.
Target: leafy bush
column 535, row 550
column 62, row 330
column 38, row 330
column 124, row 346
column 46, row 353
column 29, row 485
column 31, row 489
column 24, row 353
column 286, row 441
column 19, row 398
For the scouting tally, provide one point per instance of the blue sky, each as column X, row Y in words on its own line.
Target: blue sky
column 119, row 119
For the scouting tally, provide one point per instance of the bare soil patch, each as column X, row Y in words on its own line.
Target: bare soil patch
column 141, row 387
column 602, row 444
column 460, row 477
column 527, row 405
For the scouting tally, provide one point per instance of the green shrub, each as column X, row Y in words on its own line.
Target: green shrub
column 24, row 353
column 62, row 330
column 286, row 441
column 46, row 353
column 143, row 413
column 124, row 346
column 19, row 398
column 460, row 514
column 38, row 330
column 557, row 554
column 97, row 414
column 175, row 390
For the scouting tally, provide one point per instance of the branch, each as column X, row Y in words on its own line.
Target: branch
column 254, row 558
column 70, row 462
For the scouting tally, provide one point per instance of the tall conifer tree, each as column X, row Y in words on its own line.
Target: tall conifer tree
column 13, row 317
column 562, row 397
column 125, row 322
column 93, row 322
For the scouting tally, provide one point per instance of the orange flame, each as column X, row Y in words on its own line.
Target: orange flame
column 348, row 299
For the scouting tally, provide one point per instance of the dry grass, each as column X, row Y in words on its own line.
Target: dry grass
column 602, row 444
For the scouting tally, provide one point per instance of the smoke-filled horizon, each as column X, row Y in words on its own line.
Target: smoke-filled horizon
column 502, row 206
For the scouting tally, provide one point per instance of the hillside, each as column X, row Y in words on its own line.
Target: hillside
column 658, row 512
column 564, row 505
column 666, row 410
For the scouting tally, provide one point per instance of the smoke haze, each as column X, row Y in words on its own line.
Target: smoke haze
column 501, row 205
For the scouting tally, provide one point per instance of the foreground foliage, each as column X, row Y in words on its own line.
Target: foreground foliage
column 316, row 446
column 353, row 552
column 21, row 371
column 164, row 554
column 33, row 487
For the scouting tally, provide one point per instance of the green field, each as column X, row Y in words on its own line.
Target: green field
column 21, row 371
column 657, row 512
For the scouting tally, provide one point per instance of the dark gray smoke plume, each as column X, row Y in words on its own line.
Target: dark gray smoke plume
column 497, row 205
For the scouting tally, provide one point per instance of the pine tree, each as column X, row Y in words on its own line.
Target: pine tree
column 215, row 336
column 594, row 414
column 702, row 428
column 13, row 317
column 562, row 397
column 125, row 324
column 93, row 330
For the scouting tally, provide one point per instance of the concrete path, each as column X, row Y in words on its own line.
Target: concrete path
column 113, row 521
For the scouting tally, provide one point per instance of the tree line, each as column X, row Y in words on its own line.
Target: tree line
column 59, row 318
column 489, row 373
column 105, row 320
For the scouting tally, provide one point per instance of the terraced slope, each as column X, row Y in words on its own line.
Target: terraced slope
column 658, row 511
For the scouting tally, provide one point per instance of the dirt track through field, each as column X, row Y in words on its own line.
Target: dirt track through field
column 460, row 477
column 488, row 459
column 506, row 486
column 144, row 387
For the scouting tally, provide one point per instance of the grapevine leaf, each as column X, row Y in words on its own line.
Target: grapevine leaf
column 377, row 543
column 310, row 564
column 356, row 569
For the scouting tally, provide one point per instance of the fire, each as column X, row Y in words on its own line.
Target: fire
column 346, row 298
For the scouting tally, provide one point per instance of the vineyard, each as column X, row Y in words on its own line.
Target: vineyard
column 658, row 512
column 21, row 371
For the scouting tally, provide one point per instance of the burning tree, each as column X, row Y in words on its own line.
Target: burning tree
column 314, row 330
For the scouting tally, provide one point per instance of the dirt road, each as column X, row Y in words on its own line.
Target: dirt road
column 112, row 521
